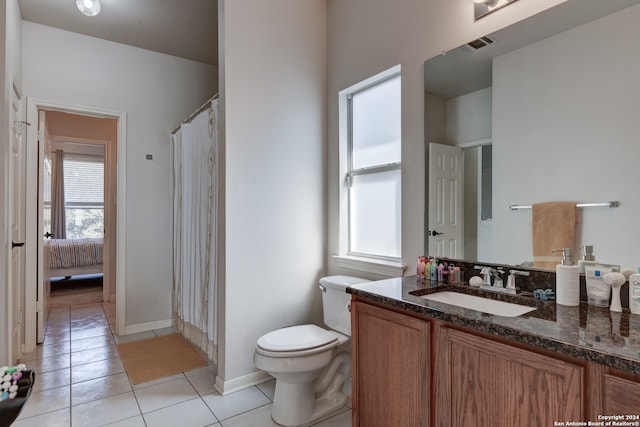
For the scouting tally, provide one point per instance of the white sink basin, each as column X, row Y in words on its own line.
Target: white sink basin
column 484, row 305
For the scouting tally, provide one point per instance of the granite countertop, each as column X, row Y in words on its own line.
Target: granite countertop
column 585, row 332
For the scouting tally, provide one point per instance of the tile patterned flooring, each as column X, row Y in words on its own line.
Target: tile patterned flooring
column 80, row 381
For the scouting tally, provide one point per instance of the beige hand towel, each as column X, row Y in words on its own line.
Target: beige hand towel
column 554, row 226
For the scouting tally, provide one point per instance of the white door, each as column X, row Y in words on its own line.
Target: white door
column 17, row 186
column 445, row 222
column 44, row 223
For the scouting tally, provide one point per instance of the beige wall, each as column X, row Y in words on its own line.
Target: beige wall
column 272, row 95
column 366, row 37
column 155, row 92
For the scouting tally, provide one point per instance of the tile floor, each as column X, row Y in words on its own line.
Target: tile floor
column 80, row 381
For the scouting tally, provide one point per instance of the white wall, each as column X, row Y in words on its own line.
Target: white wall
column 157, row 92
column 273, row 73
column 558, row 143
column 469, row 117
column 369, row 36
column 10, row 73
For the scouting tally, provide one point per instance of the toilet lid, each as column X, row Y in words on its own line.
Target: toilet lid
column 295, row 338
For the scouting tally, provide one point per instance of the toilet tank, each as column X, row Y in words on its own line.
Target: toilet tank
column 335, row 301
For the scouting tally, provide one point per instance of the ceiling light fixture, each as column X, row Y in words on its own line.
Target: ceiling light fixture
column 484, row 7
column 89, row 7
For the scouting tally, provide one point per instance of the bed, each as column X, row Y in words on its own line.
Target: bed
column 74, row 257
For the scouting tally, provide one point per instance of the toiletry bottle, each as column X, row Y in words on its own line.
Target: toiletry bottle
column 634, row 292
column 420, row 267
column 598, row 292
column 433, row 274
column 587, row 258
column 567, row 280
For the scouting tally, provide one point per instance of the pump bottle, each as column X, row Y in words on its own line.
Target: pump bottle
column 587, row 258
column 567, row 280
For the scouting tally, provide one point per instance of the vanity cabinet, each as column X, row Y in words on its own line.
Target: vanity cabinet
column 483, row 382
column 390, row 361
column 620, row 396
column 408, row 370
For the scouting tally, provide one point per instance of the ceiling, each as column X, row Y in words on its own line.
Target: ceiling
column 464, row 70
column 183, row 28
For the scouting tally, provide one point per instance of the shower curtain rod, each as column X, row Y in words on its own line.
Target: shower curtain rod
column 195, row 113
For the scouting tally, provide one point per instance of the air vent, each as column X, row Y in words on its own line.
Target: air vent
column 480, row 43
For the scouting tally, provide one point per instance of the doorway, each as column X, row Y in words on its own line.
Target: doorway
column 85, row 135
column 74, row 212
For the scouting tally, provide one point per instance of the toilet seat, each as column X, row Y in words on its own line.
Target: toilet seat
column 298, row 341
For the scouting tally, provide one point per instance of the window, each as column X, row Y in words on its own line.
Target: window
column 83, row 195
column 371, row 228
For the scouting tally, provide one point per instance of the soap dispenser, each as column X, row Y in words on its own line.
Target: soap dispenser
column 567, row 280
column 587, row 258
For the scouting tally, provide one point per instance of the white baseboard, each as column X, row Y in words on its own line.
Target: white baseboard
column 225, row 387
column 149, row 326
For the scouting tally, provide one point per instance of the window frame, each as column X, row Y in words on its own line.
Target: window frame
column 385, row 265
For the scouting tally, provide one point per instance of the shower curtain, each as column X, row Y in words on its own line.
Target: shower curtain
column 195, row 172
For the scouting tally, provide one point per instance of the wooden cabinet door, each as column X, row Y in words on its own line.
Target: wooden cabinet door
column 482, row 382
column 390, row 368
column 621, row 396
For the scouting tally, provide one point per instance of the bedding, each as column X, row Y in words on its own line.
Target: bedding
column 72, row 257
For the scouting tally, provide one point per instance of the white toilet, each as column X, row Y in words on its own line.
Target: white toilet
column 309, row 370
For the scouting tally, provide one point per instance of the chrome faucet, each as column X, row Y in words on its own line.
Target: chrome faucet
column 498, row 284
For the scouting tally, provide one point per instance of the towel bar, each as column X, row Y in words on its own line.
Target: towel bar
column 612, row 204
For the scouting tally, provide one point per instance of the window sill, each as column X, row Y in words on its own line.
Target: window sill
column 384, row 268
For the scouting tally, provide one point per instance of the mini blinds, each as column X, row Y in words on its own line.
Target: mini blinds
column 83, row 180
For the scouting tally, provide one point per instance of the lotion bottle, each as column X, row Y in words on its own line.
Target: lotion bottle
column 634, row 292
column 567, row 280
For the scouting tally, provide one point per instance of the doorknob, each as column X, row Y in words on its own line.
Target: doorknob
column 16, row 245
column 433, row 233
column 49, row 235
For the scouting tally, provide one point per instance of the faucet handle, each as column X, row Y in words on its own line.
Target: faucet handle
column 497, row 277
column 486, row 274
column 519, row 273
column 511, row 281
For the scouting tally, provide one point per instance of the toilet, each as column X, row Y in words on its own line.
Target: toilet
column 309, row 368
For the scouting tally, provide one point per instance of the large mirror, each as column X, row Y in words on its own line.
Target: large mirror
column 545, row 110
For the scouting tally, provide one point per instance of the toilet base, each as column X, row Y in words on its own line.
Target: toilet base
column 296, row 404
column 304, row 409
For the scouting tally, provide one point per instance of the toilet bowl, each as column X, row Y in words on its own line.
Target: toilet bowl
column 310, row 363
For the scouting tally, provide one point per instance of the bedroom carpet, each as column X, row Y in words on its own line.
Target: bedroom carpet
column 160, row 357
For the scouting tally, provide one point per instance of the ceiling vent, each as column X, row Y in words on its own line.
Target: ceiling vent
column 480, row 43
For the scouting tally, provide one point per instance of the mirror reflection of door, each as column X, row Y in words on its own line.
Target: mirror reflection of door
column 445, row 223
